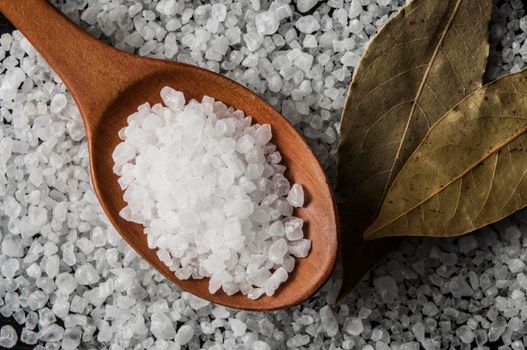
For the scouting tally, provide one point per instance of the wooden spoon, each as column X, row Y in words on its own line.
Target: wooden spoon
column 108, row 85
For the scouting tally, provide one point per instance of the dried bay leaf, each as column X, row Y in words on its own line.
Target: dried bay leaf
column 469, row 171
column 424, row 61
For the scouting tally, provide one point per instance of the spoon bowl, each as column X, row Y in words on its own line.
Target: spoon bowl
column 108, row 85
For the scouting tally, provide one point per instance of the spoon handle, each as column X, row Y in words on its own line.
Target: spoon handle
column 93, row 71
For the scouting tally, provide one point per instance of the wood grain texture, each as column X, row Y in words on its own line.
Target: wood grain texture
column 108, row 85
column 423, row 61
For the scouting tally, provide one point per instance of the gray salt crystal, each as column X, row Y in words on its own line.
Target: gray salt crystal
column 418, row 329
column 387, row 288
column 384, row 2
column 68, row 254
column 72, row 338
column 90, row 15
column 238, row 327
column 19, row 316
column 355, row 8
column 29, row 337
column 467, row 244
column 184, row 335
column 329, row 321
column 66, row 283
column 354, row 326
column 516, row 265
column 167, row 7
column 12, row 80
column 58, row 103
column 356, row 26
column 364, row 313
column 86, row 274
column 284, row 11
column 260, row 345
column 298, row 340
column 296, row 196
column 78, row 304
column 50, row 248
column 12, row 247
column 220, row 312
column 10, row 268
column 105, row 332
column 51, row 333
column 8, row 337
column 253, row 41
column 431, row 344
column 293, row 229
column 350, row 59
column 278, row 250
column 300, row 248
column 277, row 229
column 61, row 307
column 307, row 24
column 410, row 346
column 430, row 309
column 305, row 5
column 46, row 317
column 517, row 345
column 161, row 326
column 6, row 310
column 219, row 12
column 31, row 320
column 52, row 266
column 465, row 334
column 267, row 23
column 197, row 303
column 459, row 287
column 497, row 327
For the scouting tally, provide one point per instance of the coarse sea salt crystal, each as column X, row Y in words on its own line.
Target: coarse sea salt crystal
column 296, row 196
column 307, row 24
column 58, row 103
column 184, row 335
column 237, row 327
column 86, row 274
column 8, row 337
column 162, row 327
column 267, row 22
column 387, row 288
column 329, row 321
column 306, row 5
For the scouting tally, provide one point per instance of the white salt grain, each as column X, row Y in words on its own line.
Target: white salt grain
column 162, row 327
column 386, row 287
column 296, row 196
column 307, row 24
column 58, row 103
column 8, row 337
column 237, row 327
column 86, row 274
column 267, row 22
column 277, row 251
column 184, row 335
column 306, row 5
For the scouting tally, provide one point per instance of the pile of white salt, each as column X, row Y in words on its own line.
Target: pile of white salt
column 209, row 188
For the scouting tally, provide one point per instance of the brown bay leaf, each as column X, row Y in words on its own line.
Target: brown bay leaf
column 469, row 171
column 424, row 61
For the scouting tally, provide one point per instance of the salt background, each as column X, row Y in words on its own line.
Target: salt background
column 70, row 278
